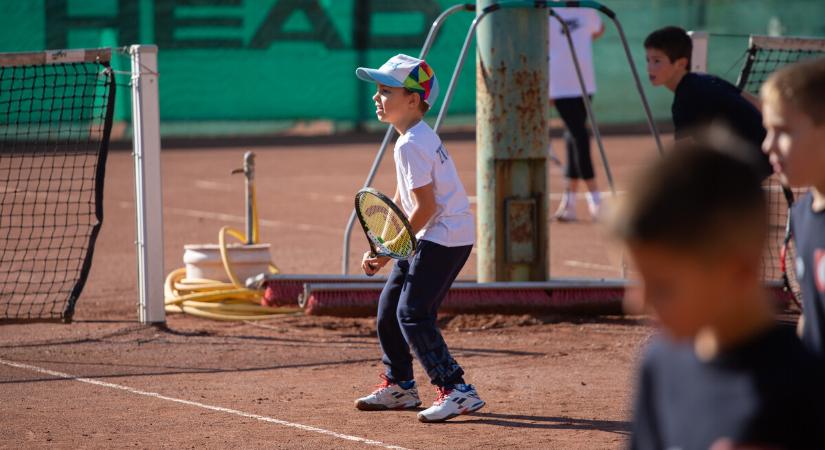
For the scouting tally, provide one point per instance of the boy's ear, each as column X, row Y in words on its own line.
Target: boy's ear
column 682, row 63
column 414, row 100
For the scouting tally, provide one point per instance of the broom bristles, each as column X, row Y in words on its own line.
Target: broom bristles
column 363, row 302
column 286, row 290
column 282, row 293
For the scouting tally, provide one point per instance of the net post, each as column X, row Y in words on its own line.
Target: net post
column 149, row 207
column 699, row 56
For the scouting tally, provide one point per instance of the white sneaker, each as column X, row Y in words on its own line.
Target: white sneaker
column 595, row 211
column 567, row 207
column 463, row 399
column 565, row 213
column 594, row 205
column 389, row 395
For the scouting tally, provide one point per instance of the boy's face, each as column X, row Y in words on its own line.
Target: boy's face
column 686, row 293
column 660, row 70
column 394, row 104
column 794, row 143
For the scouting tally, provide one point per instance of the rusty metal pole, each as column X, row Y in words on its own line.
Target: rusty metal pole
column 512, row 140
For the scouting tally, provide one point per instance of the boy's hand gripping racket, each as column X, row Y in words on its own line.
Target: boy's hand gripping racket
column 388, row 231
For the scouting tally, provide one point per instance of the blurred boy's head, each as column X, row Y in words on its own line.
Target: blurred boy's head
column 695, row 223
column 667, row 52
column 794, row 116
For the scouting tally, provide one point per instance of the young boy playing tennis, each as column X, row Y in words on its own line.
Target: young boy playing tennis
column 433, row 197
column 701, row 100
column 723, row 373
column 794, row 103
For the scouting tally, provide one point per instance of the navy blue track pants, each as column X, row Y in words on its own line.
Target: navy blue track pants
column 407, row 312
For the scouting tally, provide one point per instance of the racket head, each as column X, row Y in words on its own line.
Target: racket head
column 387, row 229
column 787, row 256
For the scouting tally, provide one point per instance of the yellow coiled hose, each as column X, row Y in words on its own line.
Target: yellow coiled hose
column 217, row 300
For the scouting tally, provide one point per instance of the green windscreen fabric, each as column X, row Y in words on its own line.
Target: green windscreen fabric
column 289, row 60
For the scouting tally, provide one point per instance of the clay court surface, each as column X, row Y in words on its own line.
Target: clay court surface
column 105, row 381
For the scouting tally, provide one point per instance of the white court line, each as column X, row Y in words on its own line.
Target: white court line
column 554, row 195
column 336, row 198
column 213, row 185
column 131, row 390
column 593, row 266
column 210, row 185
column 240, row 219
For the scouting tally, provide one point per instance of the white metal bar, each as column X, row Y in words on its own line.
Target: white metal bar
column 699, row 57
column 55, row 57
column 648, row 114
column 258, row 281
column 149, row 206
column 816, row 44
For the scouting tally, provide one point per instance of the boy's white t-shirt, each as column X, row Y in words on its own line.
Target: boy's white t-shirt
column 582, row 23
column 421, row 159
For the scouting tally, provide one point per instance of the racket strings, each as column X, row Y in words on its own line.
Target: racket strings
column 779, row 262
column 384, row 225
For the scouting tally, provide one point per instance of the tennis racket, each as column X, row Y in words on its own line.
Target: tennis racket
column 790, row 284
column 388, row 231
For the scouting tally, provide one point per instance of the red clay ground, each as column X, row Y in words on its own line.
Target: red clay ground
column 550, row 382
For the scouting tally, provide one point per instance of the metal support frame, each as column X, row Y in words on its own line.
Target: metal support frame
column 149, row 206
column 459, row 65
column 699, row 56
column 311, row 287
column 645, row 104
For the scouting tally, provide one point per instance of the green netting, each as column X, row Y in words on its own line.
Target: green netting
column 259, row 61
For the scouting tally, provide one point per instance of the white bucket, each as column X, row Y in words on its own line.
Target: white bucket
column 203, row 261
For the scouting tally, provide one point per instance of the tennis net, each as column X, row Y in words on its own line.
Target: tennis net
column 765, row 55
column 55, row 120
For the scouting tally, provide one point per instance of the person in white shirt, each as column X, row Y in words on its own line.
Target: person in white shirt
column 433, row 197
column 566, row 94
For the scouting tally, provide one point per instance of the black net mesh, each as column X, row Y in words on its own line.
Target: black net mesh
column 764, row 56
column 54, row 128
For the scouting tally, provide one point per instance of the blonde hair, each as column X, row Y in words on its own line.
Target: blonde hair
column 801, row 85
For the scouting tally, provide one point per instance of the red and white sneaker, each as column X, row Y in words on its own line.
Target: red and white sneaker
column 462, row 399
column 389, row 395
